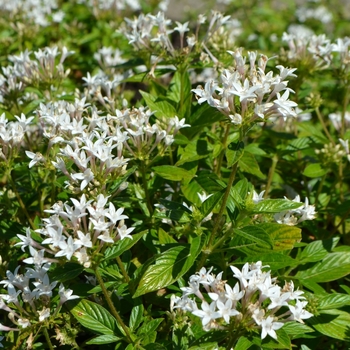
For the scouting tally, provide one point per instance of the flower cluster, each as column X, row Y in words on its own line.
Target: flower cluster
column 247, row 93
column 295, row 216
column 29, row 297
column 35, row 11
column 26, row 71
column 255, row 302
column 78, row 231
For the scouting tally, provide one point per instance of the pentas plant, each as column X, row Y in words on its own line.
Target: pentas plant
column 147, row 148
column 255, row 302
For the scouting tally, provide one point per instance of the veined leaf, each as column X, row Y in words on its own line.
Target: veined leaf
column 314, row 170
column 103, row 339
column 95, row 317
column 160, row 108
column 331, row 268
column 247, row 163
column 169, row 267
column 334, row 301
column 317, row 250
column 171, row 172
column 271, row 206
column 121, row 246
column 234, row 153
column 333, row 323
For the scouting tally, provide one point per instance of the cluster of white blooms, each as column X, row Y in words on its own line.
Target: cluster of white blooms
column 317, row 50
column 112, row 5
column 77, row 231
column 149, row 31
column 336, row 120
column 36, row 11
column 247, row 93
column 290, row 217
column 29, row 299
column 320, row 13
column 12, row 134
column 255, row 302
column 295, row 216
column 26, row 71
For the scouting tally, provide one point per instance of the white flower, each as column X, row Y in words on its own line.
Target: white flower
column 66, row 294
column 124, row 232
column 203, row 197
column 35, row 158
column 298, row 313
column 226, row 310
column 268, row 327
column 207, row 313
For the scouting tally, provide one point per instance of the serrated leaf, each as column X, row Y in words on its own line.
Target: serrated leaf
column 169, row 267
column 121, row 246
column 331, row 268
column 247, row 163
column 103, row 339
column 271, row 206
column 334, row 301
column 316, row 251
column 171, row 172
column 95, row 317
column 314, row 170
column 333, row 323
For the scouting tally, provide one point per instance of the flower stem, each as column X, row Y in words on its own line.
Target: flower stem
column 111, row 306
column 47, row 337
column 320, row 118
column 270, row 176
column 22, row 205
column 221, row 156
column 207, row 251
column 145, row 187
column 124, row 273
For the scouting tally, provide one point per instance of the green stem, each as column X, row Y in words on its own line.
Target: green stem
column 320, row 118
column 124, row 273
column 345, row 105
column 47, row 337
column 270, row 176
column 221, row 156
column 207, row 251
column 111, row 306
column 320, row 189
column 145, row 187
column 22, row 205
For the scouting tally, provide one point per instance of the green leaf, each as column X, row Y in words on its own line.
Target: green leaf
column 136, row 316
column 164, row 237
column 255, row 234
column 317, row 250
column 210, row 203
column 243, row 344
column 333, row 323
column 171, row 172
column 275, row 261
column 283, row 236
column 314, row 170
column 160, row 108
column 331, row 268
column 282, row 342
column 66, row 272
column 234, row 152
column 169, row 267
column 150, row 326
column 104, row 339
column 271, row 206
column 297, row 330
column 247, row 163
column 95, row 317
column 334, row 301
column 121, row 246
